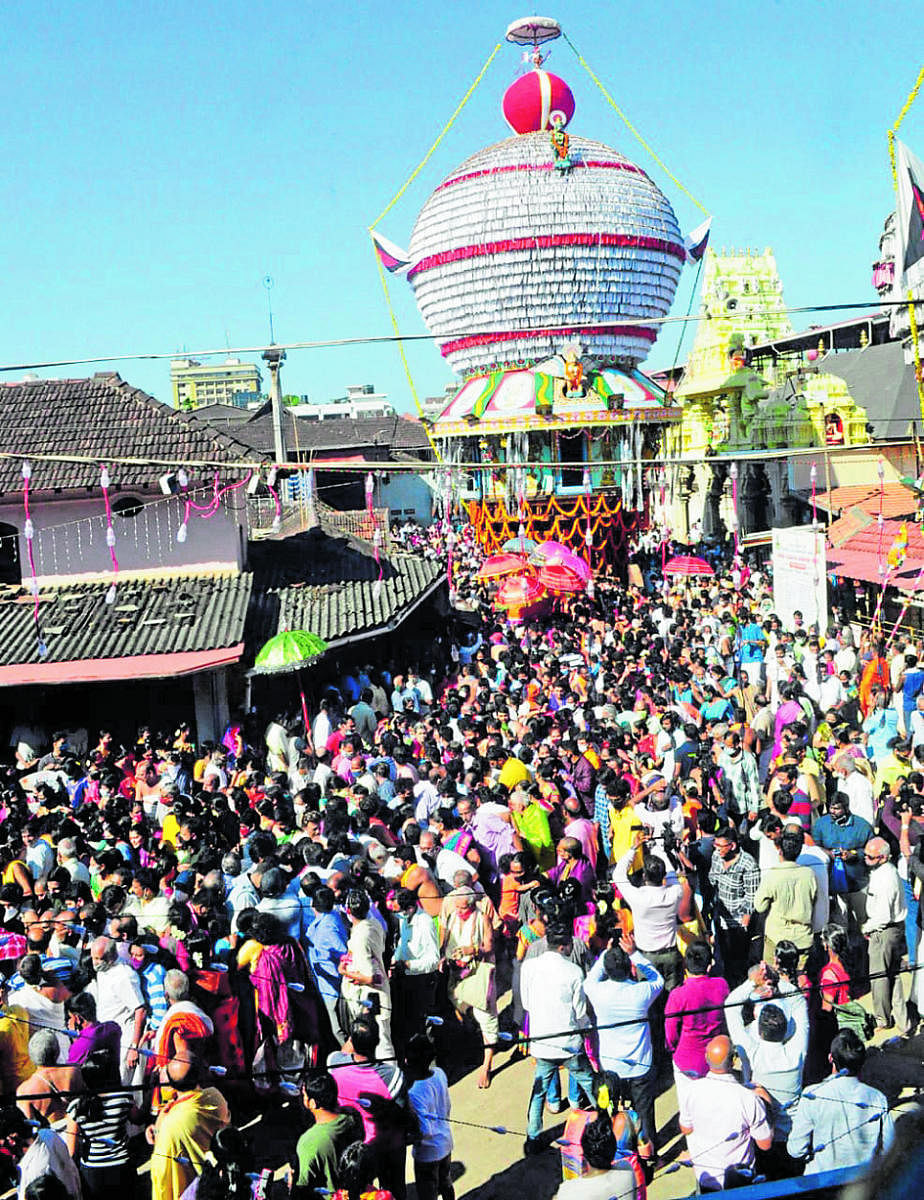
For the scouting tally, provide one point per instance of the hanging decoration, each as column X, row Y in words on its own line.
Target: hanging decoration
column 105, row 483
column 662, row 501
column 813, row 476
column 29, row 534
column 210, row 508
column 588, row 533
column 880, row 569
column 376, row 533
column 898, row 551
column 562, row 519
column 734, row 482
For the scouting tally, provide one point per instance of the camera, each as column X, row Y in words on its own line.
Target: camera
column 908, row 800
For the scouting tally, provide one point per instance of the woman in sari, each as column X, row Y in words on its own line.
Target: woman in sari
column 287, row 1006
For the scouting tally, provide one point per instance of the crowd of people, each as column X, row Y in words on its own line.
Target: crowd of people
column 657, row 838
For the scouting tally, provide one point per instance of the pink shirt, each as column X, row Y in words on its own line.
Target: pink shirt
column 687, row 1032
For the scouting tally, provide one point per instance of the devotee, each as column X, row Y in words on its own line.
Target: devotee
column 841, row 1122
column 723, row 1122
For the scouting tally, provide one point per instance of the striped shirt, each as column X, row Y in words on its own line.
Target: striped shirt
column 104, row 1141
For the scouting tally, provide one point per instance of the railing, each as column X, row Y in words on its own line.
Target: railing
column 297, row 516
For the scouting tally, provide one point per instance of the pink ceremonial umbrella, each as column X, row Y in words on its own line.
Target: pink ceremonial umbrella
column 558, row 577
column 548, row 552
column 519, row 591
column 687, row 564
column 573, row 562
column 499, row 565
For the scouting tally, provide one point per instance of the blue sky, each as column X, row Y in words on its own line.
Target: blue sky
column 160, row 160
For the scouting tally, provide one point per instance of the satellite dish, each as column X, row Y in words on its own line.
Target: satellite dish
column 533, row 31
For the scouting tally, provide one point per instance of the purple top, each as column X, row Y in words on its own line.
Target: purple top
column 107, row 1036
column 581, row 871
column 688, row 1032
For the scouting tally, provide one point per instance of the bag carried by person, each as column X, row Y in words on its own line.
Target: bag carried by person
column 853, row 1015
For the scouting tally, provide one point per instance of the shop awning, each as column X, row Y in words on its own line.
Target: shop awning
column 102, row 670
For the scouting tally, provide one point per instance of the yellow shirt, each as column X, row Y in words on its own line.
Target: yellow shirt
column 183, row 1135
column 171, row 828
column 622, row 831
column 15, row 1063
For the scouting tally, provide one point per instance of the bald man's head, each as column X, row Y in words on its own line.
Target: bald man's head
column 877, row 852
column 719, row 1054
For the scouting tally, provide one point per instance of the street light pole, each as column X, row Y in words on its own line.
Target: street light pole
column 274, row 359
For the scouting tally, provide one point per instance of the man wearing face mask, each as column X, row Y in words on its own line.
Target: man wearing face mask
column 118, row 997
column 843, row 835
column 740, row 783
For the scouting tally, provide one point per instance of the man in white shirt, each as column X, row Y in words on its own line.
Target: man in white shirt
column 857, row 788
column 722, row 1120
column 117, row 992
column 885, row 928
column 772, row 1048
column 40, row 1153
column 658, row 905
column 815, row 858
column 831, row 693
column 552, row 991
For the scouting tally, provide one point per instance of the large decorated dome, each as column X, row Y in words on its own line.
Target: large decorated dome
column 510, row 242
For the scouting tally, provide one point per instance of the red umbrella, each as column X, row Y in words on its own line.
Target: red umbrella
column 499, row 565
column 687, row 564
column 558, row 577
column 519, row 591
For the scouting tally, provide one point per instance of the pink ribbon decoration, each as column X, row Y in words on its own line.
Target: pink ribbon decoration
column 104, row 483
column 28, row 533
column 376, row 533
column 207, row 511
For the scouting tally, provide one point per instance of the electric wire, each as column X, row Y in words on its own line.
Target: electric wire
column 391, row 338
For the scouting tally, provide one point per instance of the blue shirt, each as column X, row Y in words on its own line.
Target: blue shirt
column 625, row 1050
column 326, row 940
column 602, row 816
column 752, row 643
column 852, row 835
column 881, row 726
column 840, row 1123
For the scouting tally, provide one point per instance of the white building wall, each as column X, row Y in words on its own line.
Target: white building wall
column 70, row 535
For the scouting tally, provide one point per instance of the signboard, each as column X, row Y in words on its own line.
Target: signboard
column 799, row 578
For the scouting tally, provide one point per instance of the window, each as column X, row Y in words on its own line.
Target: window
column 127, row 506
column 10, row 566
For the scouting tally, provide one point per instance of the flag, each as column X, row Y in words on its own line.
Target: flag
column 392, row 257
column 909, row 261
column 697, row 240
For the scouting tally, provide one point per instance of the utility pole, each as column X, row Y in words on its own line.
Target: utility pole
column 274, row 359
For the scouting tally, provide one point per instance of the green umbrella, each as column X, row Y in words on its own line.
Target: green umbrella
column 290, row 651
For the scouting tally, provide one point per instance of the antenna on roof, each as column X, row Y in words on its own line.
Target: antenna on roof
column 269, row 283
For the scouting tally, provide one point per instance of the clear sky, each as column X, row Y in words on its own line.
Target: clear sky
column 160, row 160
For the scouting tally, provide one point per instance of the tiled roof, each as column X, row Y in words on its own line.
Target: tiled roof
column 342, row 433
column 102, row 417
column 151, row 614
column 860, row 556
column 323, row 585
column 897, row 500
